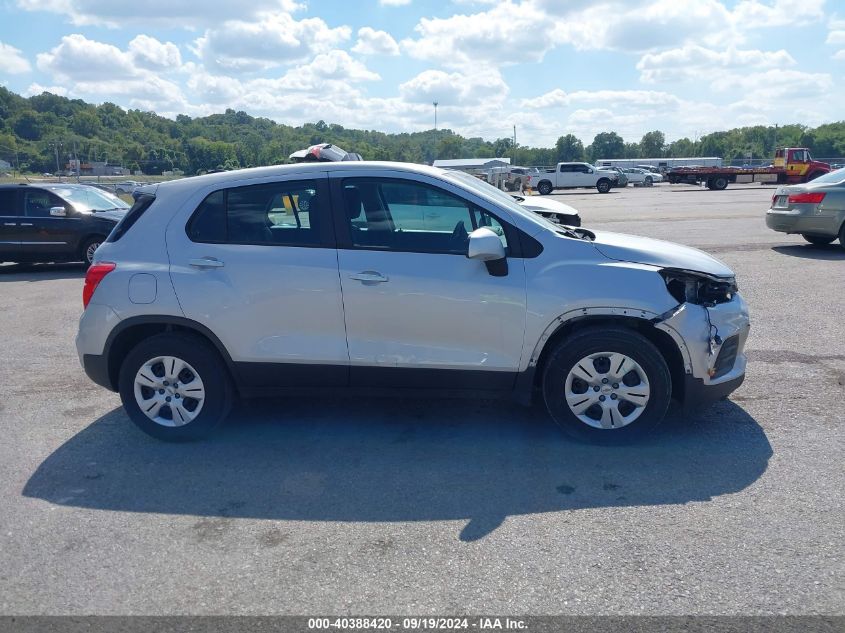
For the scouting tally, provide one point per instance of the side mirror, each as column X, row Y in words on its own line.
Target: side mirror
column 590, row 171
column 485, row 246
column 58, row 212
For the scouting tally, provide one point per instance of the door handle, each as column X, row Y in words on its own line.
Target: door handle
column 206, row 262
column 369, row 276
column 26, row 223
column 9, row 224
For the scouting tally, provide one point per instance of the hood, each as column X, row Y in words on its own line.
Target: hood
column 113, row 215
column 644, row 250
column 553, row 206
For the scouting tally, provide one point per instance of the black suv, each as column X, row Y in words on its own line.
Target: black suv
column 55, row 222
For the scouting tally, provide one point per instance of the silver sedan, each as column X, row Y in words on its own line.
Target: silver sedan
column 816, row 209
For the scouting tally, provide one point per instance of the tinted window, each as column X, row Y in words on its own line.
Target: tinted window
column 37, row 203
column 209, row 221
column 274, row 213
column 411, row 217
column 7, row 202
column 142, row 203
column 567, row 168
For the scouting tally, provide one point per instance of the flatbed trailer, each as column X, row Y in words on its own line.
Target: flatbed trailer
column 792, row 165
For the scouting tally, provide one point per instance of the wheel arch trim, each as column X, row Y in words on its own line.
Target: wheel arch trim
column 168, row 322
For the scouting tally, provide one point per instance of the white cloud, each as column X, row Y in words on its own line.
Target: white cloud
column 186, row 13
column 774, row 85
column 372, row 42
column 836, row 37
column 77, row 58
column 753, row 14
column 12, row 61
column 37, row 89
column 693, row 62
column 150, row 53
column 839, row 55
column 618, row 99
column 458, row 89
column 508, row 33
column 273, row 40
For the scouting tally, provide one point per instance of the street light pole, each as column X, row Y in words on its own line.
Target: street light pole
column 435, row 129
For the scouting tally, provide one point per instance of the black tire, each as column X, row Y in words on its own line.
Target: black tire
column 814, row 175
column 86, row 251
column 818, row 240
column 842, row 236
column 718, row 183
column 544, row 187
column 208, row 365
column 592, row 340
column 649, row 181
column 603, row 185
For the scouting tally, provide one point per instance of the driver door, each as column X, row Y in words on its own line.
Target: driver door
column 418, row 312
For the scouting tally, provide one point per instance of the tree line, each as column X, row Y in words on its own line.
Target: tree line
column 41, row 133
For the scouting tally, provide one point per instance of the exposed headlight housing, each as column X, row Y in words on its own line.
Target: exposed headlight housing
column 689, row 286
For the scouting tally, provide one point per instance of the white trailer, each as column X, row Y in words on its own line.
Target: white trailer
column 663, row 164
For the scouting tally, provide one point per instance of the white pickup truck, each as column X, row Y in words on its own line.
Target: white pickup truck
column 571, row 175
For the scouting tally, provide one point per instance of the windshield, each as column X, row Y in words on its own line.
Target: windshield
column 90, row 198
column 832, row 178
column 506, row 200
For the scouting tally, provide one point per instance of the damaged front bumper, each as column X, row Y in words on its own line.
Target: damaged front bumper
column 712, row 344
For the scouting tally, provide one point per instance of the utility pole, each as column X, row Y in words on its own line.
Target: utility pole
column 435, row 131
column 514, row 145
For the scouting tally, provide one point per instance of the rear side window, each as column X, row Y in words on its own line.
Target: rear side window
column 283, row 213
column 8, row 197
column 142, row 203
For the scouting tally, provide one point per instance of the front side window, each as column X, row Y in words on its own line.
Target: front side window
column 37, row 203
column 411, row 217
column 285, row 213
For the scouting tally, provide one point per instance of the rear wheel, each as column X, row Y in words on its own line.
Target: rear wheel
column 603, row 185
column 649, row 181
column 718, row 183
column 545, row 187
column 606, row 385
column 89, row 248
column 818, row 240
column 175, row 387
column 842, row 236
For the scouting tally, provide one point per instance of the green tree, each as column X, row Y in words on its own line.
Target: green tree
column 653, row 144
column 606, row 145
column 569, row 148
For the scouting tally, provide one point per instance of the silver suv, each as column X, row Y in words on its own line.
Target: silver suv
column 385, row 277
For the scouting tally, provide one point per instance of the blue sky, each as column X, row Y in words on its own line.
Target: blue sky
column 549, row 67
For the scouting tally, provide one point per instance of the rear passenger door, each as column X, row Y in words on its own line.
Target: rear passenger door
column 9, row 225
column 257, row 265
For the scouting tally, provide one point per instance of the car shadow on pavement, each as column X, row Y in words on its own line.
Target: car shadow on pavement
column 404, row 460
column 832, row 252
column 41, row 272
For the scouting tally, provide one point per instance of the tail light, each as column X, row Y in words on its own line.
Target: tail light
column 93, row 277
column 806, row 198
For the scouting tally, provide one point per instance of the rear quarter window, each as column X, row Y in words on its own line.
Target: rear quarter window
column 142, row 203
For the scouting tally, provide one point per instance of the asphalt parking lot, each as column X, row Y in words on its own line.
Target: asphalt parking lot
column 442, row 507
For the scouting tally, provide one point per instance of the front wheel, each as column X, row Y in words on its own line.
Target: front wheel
column 545, row 187
column 603, row 185
column 649, row 181
column 175, row 387
column 818, row 240
column 606, row 385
